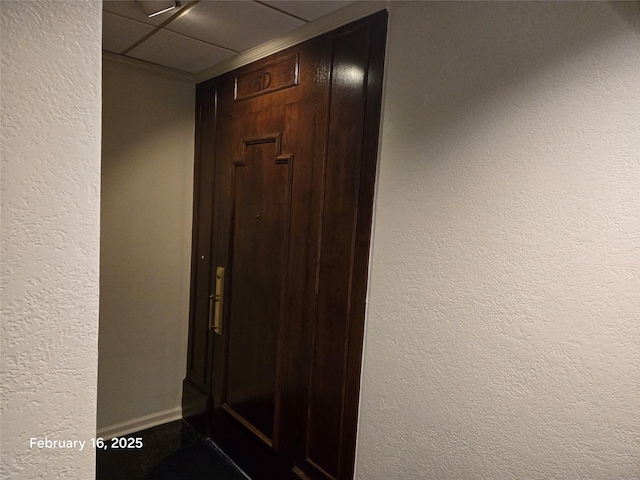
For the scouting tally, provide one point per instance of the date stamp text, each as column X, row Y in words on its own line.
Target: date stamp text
column 122, row 443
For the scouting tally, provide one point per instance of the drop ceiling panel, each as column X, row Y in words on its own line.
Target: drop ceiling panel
column 237, row 25
column 177, row 51
column 119, row 33
column 210, row 31
column 309, row 10
column 131, row 9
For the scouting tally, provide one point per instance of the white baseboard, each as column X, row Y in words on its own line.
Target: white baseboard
column 140, row 423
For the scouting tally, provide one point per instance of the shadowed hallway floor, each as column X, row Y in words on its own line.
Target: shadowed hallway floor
column 173, row 451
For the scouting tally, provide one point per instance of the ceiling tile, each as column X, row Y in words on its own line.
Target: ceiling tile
column 308, row 9
column 237, row 25
column 131, row 9
column 177, row 51
column 119, row 33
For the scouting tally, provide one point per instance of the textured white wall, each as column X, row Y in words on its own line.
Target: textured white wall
column 147, row 195
column 51, row 64
column 503, row 334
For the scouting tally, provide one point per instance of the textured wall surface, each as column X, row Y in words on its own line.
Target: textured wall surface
column 147, row 195
column 51, row 63
column 503, row 334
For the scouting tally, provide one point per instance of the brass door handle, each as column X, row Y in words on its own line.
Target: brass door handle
column 216, row 303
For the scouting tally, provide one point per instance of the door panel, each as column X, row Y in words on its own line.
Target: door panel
column 198, row 370
column 262, row 193
column 266, row 176
column 292, row 169
column 343, row 159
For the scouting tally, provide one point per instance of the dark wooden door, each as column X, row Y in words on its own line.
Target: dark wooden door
column 290, row 145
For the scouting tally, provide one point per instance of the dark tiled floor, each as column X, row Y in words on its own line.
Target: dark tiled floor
column 173, row 451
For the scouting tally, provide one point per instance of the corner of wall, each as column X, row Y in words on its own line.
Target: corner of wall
column 51, row 79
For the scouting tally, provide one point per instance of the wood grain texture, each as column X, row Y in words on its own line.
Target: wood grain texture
column 342, row 183
column 199, row 352
column 260, row 232
column 292, row 193
column 278, row 75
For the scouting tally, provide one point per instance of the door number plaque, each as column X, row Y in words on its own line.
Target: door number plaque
column 270, row 78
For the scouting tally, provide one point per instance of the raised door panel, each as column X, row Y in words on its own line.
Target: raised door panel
column 266, row 169
column 328, row 445
column 262, row 182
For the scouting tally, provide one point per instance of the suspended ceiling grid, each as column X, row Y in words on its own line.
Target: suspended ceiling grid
column 202, row 33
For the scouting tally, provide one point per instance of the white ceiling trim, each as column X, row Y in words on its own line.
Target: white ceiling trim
column 310, row 30
column 149, row 67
